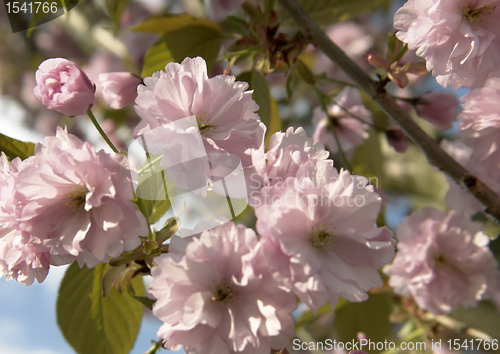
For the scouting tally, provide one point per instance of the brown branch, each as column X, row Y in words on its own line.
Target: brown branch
column 434, row 153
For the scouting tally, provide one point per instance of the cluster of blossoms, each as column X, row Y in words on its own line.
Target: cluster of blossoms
column 224, row 290
column 443, row 261
column 65, row 203
column 227, row 290
column 460, row 40
column 349, row 119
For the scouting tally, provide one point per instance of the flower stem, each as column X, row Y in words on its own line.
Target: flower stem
column 99, row 129
column 434, row 153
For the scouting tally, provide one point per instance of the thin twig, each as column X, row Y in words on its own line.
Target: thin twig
column 434, row 153
column 99, row 129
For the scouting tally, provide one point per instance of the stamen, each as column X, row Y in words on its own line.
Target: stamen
column 322, row 239
column 224, row 294
column 76, row 198
column 203, row 121
column 477, row 15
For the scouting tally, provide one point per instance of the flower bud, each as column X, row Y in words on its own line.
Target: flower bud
column 64, row 87
column 397, row 139
column 119, row 89
column 438, row 108
column 376, row 60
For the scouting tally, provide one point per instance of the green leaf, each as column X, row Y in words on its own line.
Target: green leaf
column 167, row 23
column 275, row 121
column 146, row 301
column 261, row 94
column 327, row 12
column 368, row 160
column 91, row 323
column 484, row 317
column 370, row 317
column 39, row 16
column 307, row 317
column 152, row 192
column 15, row 148
column 185, row 37
column 115, row 10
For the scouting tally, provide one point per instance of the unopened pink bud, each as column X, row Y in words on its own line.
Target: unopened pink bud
column 397, row 139
column 119, row 89
column 376, row 60
column 418, row 68
column 399, row 79
column 64, row 87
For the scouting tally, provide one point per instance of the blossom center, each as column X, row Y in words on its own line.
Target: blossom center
column 76, row 198
column 476, row 15
column 322, row 239
column 203, row 121
column 440, row 260
column 223, row 294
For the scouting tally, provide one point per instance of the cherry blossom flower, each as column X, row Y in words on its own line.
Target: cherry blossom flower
column 459, row 39
column 480, row 127
column 8, row 210
column 320, row 238
column 64, row 87
column 219, row 296
column 443, row 260
column 19, row 259
column 438, row 108
column 224, row 110
column 287, row 152
column 397, row 138
column 347, row 115
column 78, row 202
column 119, row 89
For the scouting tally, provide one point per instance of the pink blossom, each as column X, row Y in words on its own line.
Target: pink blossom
column 64, row 87
column 347, row 115
column 480, row 127
column 438, row 108
column 397, row 138
column 219, row 296
column 320, row 237
column 459, row 39
column 119, row 89
column 287, row 152
column 225, row 112
column 443, row 260
column 8, row 203
column 19, row 259
column 78, row 202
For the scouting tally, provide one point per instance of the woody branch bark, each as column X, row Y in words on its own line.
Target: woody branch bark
column 435, row 154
